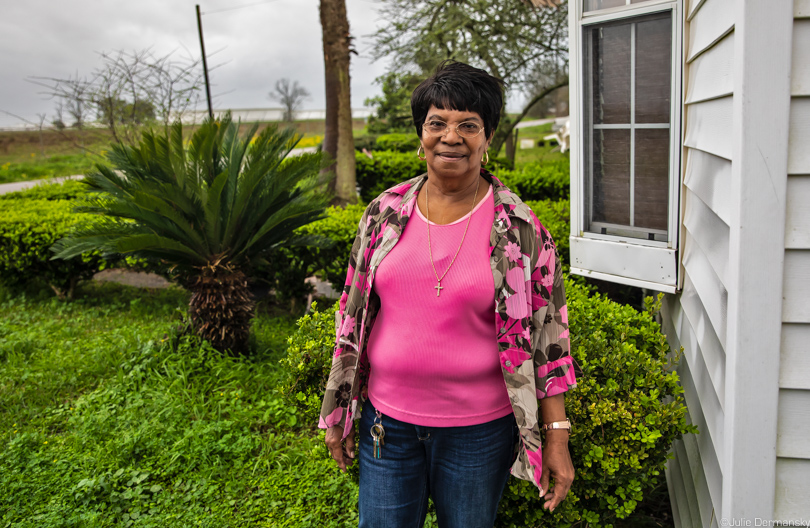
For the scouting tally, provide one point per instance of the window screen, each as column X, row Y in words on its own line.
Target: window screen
column 596, row 5
column 627, row 108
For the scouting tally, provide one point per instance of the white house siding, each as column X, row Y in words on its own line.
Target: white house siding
column 792, row 494
column 696, row 319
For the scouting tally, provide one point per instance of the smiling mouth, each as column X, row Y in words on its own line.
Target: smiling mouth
column 450, row 156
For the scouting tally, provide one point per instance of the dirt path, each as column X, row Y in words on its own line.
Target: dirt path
column 19, row 186
column 139, row 279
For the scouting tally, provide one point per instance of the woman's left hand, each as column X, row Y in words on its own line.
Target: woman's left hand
column 556, row 464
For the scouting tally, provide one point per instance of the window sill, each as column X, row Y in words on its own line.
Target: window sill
column 649, row 267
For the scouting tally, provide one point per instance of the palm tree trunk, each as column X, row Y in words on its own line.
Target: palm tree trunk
column 221, row 308
column 338, row 141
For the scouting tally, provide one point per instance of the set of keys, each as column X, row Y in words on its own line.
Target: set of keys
column 378, row 435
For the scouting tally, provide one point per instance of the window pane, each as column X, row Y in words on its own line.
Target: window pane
column 610, row 73
column 653, row 69
column 626, row 115
column 652, row 178
column 593, row 5
column 611, row 176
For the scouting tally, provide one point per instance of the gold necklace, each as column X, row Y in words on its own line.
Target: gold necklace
column 439, row 286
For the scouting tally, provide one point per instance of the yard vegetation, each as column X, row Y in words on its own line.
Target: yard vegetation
column 114, row 412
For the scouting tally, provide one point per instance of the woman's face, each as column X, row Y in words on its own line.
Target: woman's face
column 451, row 155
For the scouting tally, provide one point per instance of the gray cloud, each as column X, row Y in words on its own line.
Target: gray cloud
column 253, row 46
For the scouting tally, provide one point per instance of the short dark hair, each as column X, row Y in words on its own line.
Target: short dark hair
column 458, row 86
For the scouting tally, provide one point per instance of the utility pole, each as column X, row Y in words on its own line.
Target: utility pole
column 205, row 64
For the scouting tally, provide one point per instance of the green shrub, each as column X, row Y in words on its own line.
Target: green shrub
column 290, row 267
column 28, row 228
column 340, row 226
column 308, row 361
column 365, row 141
column 407, row 143
column 33, row 219
column 385, row 170
column 556, row 217
column 627, row 408
column 538, row 180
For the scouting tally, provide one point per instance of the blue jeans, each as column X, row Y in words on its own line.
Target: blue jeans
column 464, row 470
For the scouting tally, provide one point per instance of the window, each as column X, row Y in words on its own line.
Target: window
column 626, row 142
column 628, row 80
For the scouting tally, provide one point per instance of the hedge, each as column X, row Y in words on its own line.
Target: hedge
column 28, row 228
column 407, row 143
column 539, row 180
column 289, row 267
column 627, row 409
column 384, row 170
column 340, row 226
column 35, row 218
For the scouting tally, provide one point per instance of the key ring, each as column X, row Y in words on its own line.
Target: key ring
column 377, row 431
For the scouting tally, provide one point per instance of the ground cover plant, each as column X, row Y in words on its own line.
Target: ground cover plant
column 110, row 418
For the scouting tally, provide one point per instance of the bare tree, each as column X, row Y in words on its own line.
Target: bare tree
column 338, row 141
column 76, row 94
column 290, row 95
column 41, row 121
column 128, row 90
column 58, row 120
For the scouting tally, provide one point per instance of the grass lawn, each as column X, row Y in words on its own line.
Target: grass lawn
column 27, row 156
column 548, row 152
column 103, row 423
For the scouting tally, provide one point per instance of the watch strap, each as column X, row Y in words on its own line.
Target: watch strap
column 565, row 424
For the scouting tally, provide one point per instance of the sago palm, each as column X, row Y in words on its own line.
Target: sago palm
column 212, row 211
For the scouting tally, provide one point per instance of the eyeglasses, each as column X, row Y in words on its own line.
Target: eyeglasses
column 466, row 129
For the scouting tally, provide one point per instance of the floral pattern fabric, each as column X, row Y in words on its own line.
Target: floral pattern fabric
column 530, row 311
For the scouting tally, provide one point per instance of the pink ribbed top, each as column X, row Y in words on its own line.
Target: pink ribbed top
column 434, row 360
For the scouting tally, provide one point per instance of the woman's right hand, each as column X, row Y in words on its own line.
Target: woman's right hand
column 342, row 451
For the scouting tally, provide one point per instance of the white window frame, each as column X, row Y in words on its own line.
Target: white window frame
column 638, row 262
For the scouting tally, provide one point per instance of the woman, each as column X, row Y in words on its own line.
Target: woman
column 451, row 404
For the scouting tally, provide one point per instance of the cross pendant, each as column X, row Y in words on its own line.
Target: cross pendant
column 438, row 288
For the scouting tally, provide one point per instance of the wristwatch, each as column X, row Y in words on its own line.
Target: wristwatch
column 565, row 424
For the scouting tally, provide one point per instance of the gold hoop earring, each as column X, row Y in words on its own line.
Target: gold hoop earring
column 486, row 154
column 417, row 153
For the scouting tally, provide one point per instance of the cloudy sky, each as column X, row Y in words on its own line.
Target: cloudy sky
column 254, row 45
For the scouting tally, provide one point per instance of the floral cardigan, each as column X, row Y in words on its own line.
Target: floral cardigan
column 530, row 312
